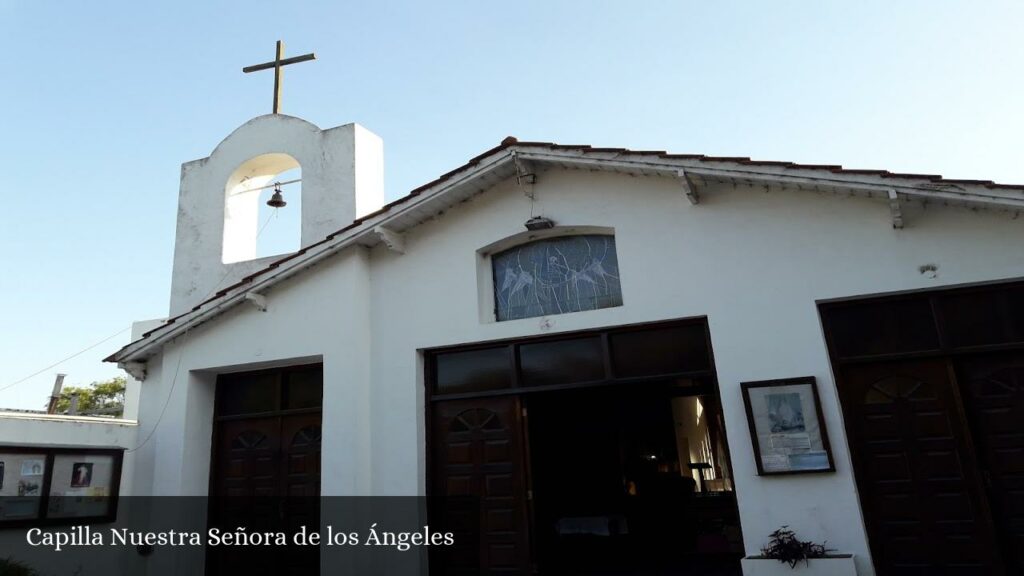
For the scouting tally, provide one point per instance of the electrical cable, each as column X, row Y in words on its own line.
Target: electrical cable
column 181, row 354
column 123, row 330
column 75, row 355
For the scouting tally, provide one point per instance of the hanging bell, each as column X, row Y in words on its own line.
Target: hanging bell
column 277, row 200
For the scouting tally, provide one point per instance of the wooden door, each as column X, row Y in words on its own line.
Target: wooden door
column 993, row 393
column 480, row 486
column 919, row 485
column 266, row 478
column 300, row 488
column 247, row 473
column 246, row 483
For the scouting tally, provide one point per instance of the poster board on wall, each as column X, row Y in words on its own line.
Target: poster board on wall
column 786, row 425
column 42, row 485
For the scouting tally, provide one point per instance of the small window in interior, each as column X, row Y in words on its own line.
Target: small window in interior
column 555, row 276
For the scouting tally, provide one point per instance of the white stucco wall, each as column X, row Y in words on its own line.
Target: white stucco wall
column 17, row 428
column 289, row 332
column 133, row 387
column 753, row 262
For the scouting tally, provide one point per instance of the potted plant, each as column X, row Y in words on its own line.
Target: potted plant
column 786, row 554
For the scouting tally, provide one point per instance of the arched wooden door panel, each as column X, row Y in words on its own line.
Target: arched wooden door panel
column 993, row 394
column 480, row 488
column 247, row 481
column 300, row 463
column 247, row 473
column 918, row 481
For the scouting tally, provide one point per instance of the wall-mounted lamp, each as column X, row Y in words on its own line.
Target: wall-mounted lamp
column 539, row 223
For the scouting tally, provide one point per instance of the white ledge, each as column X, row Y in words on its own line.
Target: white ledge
column 67, row 418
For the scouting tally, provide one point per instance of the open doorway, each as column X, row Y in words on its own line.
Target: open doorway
column 600, row 452
column 631, row 482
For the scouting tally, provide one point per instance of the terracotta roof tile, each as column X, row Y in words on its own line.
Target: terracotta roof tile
column 682, row 156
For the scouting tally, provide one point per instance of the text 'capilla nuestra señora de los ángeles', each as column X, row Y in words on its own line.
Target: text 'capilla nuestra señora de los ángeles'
column 374, row 536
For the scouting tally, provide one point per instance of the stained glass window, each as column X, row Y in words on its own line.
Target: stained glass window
column 555, row 276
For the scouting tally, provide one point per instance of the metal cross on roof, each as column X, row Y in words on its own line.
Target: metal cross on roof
column 276, row 64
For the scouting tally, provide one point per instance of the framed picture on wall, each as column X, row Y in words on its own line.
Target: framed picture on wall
column 787, row 427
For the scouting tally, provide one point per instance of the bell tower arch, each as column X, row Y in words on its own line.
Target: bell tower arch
column 342, row 178
column 244, row 206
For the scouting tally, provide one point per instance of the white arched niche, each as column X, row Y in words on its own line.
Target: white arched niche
column 251, row 228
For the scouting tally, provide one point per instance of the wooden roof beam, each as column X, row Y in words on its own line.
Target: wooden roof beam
column 896, row 209
column 526, row 174
column 395, row 241
column 688, row 187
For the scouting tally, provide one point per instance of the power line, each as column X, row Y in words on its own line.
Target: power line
column 123, row 330
column 59, row 362
column 181, row 353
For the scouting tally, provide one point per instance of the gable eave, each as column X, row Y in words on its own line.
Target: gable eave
column 426, row 203
column 829, row 178
column 500, row 163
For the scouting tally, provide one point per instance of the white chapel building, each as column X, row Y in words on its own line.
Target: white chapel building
column 614, row 361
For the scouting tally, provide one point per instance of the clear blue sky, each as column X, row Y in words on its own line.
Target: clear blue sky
column 102, row 101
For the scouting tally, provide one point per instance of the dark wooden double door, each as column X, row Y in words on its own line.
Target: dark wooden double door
column 266, row 468
column 937, row 436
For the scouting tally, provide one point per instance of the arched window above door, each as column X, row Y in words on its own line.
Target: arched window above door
column 555, row 276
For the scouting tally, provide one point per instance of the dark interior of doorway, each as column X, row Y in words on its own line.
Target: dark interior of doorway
column 631, row 480
column 595, row 452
